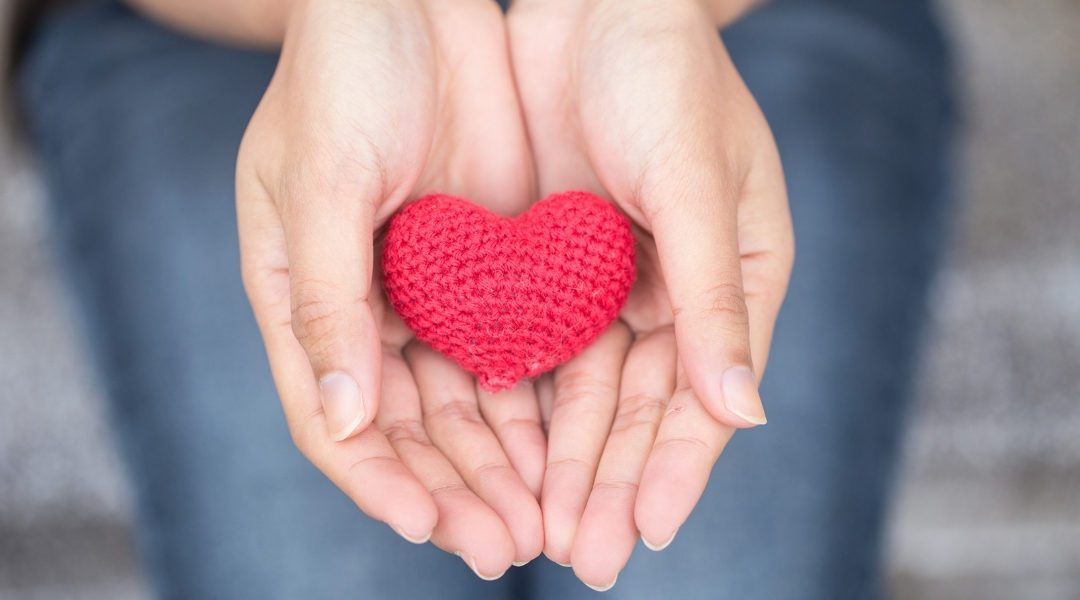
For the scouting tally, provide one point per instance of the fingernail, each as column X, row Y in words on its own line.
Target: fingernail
column 415, row 539
column 472, row 565
column 604, row 588
column 741, row 395
column 659, row 547
column 521, row 563
column 342, row 404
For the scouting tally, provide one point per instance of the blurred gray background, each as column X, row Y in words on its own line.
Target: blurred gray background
column 989, row 504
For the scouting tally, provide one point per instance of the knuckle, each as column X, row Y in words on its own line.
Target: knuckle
column 616, row 484
column 579, row 387
column 639, row 410
column 317, row 316
column 453, row 487
column 455, row 410
column 687, row 443
column 370, row 461
column 492, row 472
column 406, row 430
column 725, row 302
column 519, row 426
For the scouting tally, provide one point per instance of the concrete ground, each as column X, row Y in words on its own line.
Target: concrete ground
column 989, row 505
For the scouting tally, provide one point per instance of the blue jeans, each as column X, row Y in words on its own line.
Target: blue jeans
column 137, row 130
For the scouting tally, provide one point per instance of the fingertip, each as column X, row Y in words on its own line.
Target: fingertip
column 597, row 562
column 602, row 588
column 559, row 531
column 347, row 409
column 561, row 514
column 557, row 545
column 479, row 571
column 732, row 398
column 741, row 395
column 533, row 543
column 661, row 507
column 563, row 560
column 427, row 516
column 526, row 526
column 657, row 547
column 471, row 529
column 493, row 561
column 405, row 505
column 652, row 521
column 412, row 538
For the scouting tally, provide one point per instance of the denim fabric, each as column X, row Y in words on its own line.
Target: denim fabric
column 137, row 130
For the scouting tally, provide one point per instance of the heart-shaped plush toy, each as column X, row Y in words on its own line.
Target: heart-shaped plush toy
column 508, row 298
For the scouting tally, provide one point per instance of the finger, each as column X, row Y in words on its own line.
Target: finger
column 452, row 419
column 328, row 235
column 514, row 416
column 607, row 534
column 365, row 467
column 586, row 392
column 545, row 395
column 697, row 241
column 467, row 526
column 687, row 445
column 767, row 247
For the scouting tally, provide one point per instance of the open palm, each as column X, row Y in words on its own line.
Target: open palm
column 638, row 100
column 373, row 104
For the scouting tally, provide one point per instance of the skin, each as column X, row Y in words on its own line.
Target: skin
column 376, row 102
column 639, row 101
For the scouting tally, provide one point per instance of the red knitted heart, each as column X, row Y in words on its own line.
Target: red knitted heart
column 509, row 298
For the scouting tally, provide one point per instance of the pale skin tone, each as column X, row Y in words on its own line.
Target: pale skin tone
column 377, row 102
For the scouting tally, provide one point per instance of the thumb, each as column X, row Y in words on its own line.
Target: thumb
column 328, row 236
column 696, row 232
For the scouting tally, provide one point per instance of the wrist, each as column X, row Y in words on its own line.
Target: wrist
column 239, row 22
column 267, row 21
column 721, row 12
column 726, row 12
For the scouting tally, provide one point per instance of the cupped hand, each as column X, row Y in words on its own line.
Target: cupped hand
column 373, row 103
column 638, row 100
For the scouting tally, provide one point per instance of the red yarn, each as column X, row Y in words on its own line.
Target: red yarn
column 509, row 298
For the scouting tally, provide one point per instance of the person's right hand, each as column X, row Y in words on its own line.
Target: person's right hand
column 373, row 103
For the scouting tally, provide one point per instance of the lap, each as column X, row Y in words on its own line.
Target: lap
column 138, row 130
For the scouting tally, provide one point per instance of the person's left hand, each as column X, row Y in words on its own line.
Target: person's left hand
column 638, row 100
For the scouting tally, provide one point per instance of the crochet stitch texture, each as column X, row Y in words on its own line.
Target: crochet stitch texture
column 508, row 298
